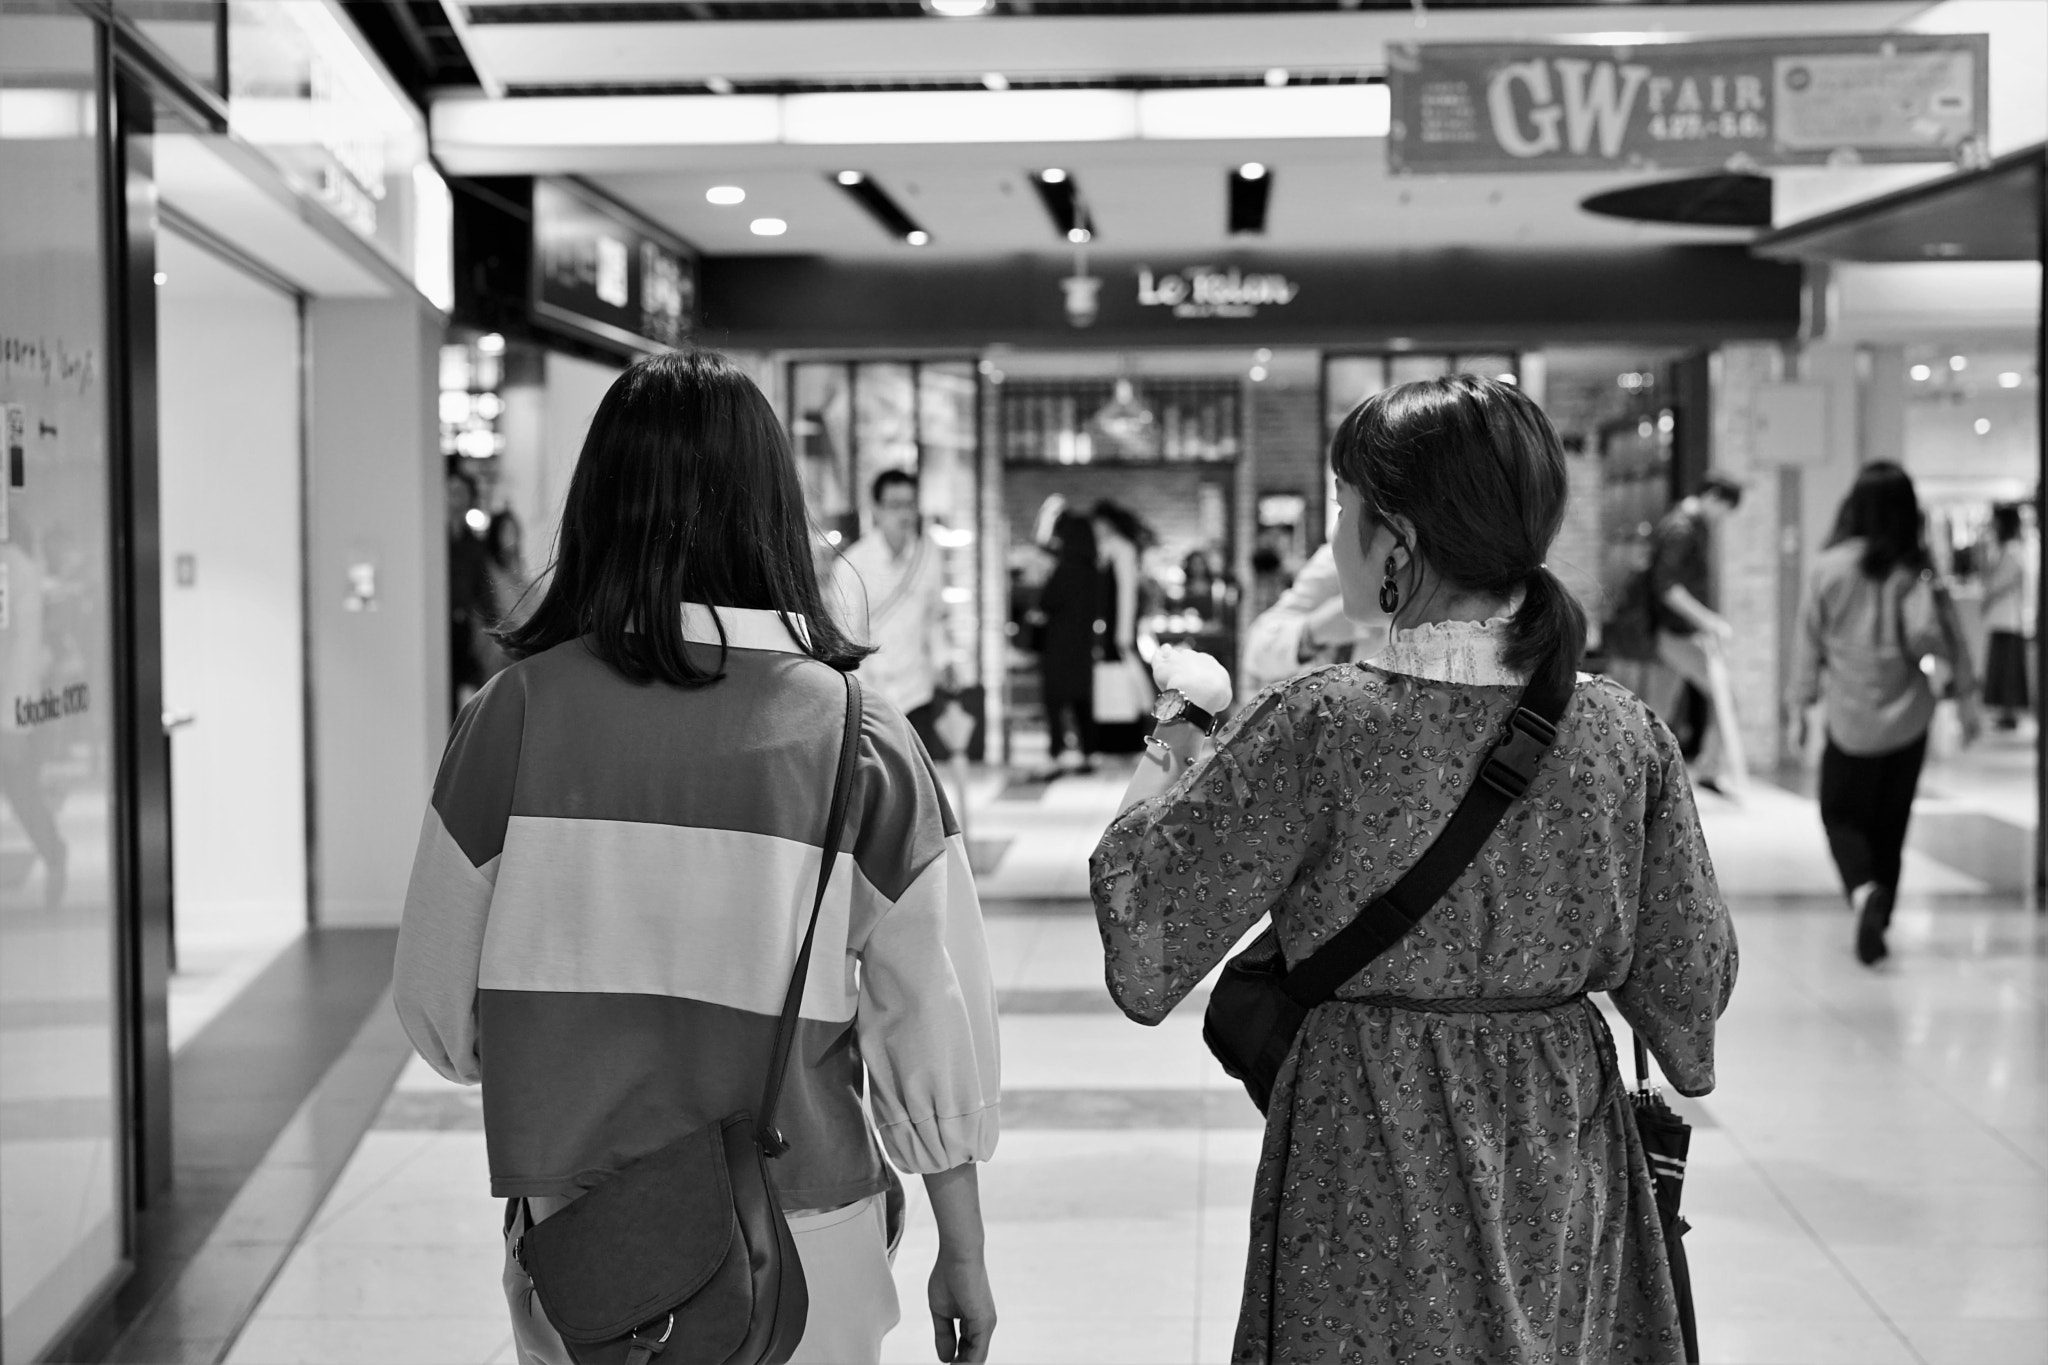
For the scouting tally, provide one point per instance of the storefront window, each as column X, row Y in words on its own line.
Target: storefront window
column 850, row 422
column 61, row 1149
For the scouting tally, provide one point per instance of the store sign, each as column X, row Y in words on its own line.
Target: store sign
column 1485, row 108
column 598, row 270
column 1206, row 292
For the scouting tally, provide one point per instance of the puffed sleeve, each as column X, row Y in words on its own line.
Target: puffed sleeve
column 1683, row 964
column 927, row 1011
column 454, row 872
column 1179, row 878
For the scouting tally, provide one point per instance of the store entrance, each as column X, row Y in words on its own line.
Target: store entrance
column 230, row 465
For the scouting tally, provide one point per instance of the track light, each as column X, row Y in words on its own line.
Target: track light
column 1250, row 189
column 882, row 207
column 1053, row 175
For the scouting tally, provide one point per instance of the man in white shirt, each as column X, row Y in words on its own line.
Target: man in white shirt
column 888, row 585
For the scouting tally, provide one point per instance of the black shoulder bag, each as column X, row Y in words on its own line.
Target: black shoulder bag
column 1258, row 1004
column 685, row 1251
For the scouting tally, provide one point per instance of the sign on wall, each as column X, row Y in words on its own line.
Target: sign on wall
column 1829, row 100
column 598, row 270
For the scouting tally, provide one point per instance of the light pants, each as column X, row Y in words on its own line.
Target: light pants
column 1699, row 660
column 845, row 1255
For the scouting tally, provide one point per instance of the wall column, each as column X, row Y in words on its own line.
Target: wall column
column 1748, row 544
column 375, row 500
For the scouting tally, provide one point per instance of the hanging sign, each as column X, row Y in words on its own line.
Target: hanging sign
column 599, row 270
column 1485, row 108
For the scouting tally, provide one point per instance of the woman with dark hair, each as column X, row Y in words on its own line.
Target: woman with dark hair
column 1066, row 654
column 1873, row 612
column 2005, row 616
column 1450, row 1170
column 618, row 867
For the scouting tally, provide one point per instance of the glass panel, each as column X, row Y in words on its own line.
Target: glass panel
column 1349, row 380
column 304, row 89
column 188, row 32
column 949, row 485
column 821, row 428
column 884, row 425
column 1407, row 368
column 60, row 1143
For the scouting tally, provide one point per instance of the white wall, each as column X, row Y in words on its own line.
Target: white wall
column 233, row 644
column 375, row 496
column 574, row 388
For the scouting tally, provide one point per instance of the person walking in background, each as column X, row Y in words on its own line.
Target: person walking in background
column 1692, row 637
column 617, row 868
column 1873, row 611
column 1066, row 641
column 2005, row 617
column 1305, row 627
column 888, row 587
column 1451, row 1170
column 1121, row 538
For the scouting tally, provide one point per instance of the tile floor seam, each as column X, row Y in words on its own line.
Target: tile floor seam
column 1820, row 1243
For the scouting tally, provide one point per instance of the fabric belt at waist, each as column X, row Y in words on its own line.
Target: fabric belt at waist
column 1525, row 1006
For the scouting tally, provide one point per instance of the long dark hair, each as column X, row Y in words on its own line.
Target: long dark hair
column 686, row 491
column 1884, row 512
column 1125, row 523
column 1478, row 470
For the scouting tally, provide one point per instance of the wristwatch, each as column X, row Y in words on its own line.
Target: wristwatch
column 1174, row 709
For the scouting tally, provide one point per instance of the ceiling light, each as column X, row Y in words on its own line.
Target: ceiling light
column 959, row 9
column 2009, row 380
column 1247, row 194
column 1959, row 363
column 917, row 237
column 718, row 85
column 867, row 117
column 1233, row 113
column 726, row 194
column 1053, row 175
column 1079, row 236
column 1921, row 373
column 851, row 177
column 1276, row 76
column 1982, row 426
column 491, row 343
column 768, row 227
column 1258, row 374
column 1261, row 356
column 995, row 80
column 163, row 279
column 1252, row 170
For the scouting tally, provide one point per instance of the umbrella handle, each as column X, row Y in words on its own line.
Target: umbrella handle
column 1642, row 1063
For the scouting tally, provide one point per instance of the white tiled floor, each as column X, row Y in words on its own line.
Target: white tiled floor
column 1868, row 1185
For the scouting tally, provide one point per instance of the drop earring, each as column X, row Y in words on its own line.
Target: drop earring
column 1390, row 591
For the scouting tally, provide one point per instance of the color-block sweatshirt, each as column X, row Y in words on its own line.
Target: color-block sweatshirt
column 610, row 891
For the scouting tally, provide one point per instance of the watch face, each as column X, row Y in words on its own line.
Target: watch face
column 1167, row 709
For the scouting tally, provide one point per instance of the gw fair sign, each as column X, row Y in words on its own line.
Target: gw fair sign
column 1829, row 100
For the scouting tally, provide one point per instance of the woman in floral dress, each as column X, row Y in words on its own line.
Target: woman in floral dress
column 1450, row 1170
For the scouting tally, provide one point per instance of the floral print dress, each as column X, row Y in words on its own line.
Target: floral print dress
column 1450, row 1171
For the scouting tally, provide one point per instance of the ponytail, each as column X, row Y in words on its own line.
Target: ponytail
column 1547, row 636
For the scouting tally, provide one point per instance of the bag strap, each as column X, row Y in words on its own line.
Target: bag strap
column 1503, row 778
column 835, row 826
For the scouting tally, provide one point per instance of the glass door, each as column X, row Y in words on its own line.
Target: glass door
column 61, row 1121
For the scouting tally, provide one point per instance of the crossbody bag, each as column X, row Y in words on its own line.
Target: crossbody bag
column 1258, row 1004
column 684, row 1253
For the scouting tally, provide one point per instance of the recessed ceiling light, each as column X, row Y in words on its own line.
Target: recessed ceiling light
column 1959, row 363
column 1252, row 170
column 162, row 279
column 2009, row 380
column 959, row 9
column 1261, row 356
column 1922, row 373
column 851, row 177
column 726, row 194
column 718, row 85
column 917, row 237
column 1258, row 374
column 1276, row 76
column 1053, row 175
column 1982, row 426
column 1079, row 236
column 768, row 227
column 995, row 80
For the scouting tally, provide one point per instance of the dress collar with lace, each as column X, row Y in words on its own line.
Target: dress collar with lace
column 1467, row 652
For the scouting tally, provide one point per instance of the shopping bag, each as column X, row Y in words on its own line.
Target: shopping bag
column 1123, row 694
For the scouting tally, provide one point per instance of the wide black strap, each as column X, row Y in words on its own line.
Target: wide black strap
column 835, row 826
column 1502, row 779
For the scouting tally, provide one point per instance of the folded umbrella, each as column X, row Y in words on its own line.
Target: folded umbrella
column 1666, row 1138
